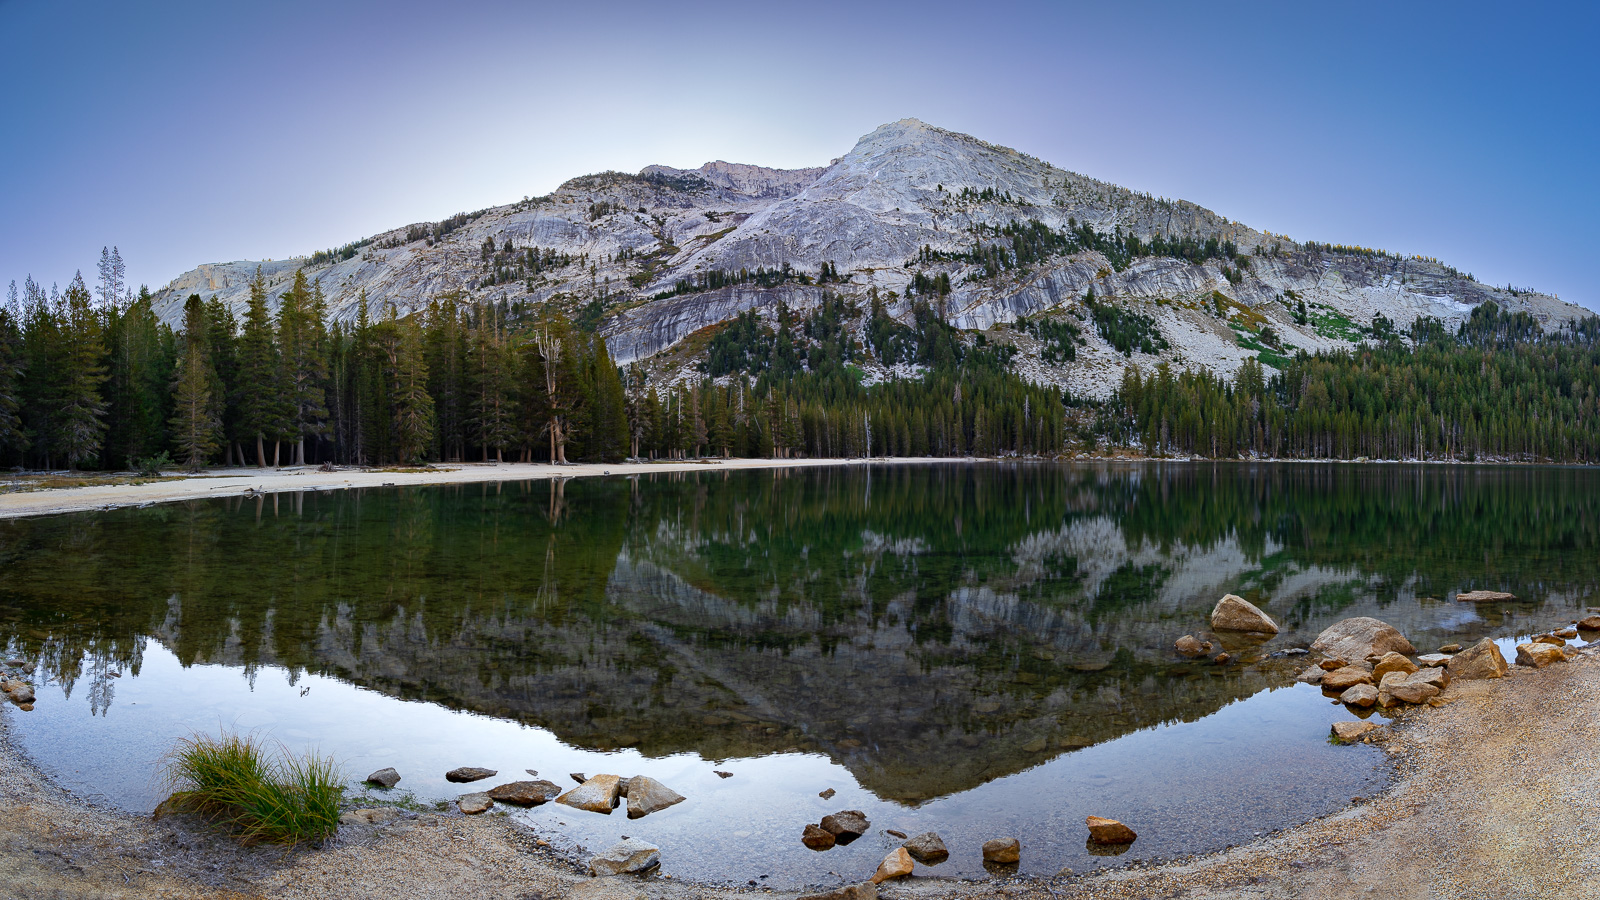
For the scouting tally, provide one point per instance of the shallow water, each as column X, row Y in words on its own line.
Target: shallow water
column 980, row 650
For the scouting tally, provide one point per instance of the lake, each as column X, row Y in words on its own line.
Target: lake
column 979, row 649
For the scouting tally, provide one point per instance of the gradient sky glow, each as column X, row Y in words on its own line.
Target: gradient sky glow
column 204, row 132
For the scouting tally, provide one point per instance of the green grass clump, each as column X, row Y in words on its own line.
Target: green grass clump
column 265, row 798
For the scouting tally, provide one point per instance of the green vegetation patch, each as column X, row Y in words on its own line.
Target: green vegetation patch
column 276, row 798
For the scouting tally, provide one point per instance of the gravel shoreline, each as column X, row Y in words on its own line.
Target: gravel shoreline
column 1497, row 794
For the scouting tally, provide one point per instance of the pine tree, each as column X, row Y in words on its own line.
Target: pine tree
column 196, row 417
column 80, row 427
column 12, row 436
column 302, row 340
column 261, row 406
column 413, row 408
column 608, row 411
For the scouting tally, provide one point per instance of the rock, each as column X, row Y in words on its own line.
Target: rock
column 847, row 823
column 1222, row 659
column 1481, row 660
column 384, row 778
column 1437, row 677
column 1345, row 678
column 625, row 858
column 827, row 794
column 1450, row 648
column 622, row 786
column 1589, row 623
column 610, row 887
column 1311, row 675
column 1549, row 639
column 1359, row 638
column 1362, row 695
column 1350, row 732
column 721, row 774
column 381, row 815
column 1332, row 663
column 1005, row 851
column 863, row 891
column 896, row 834
column 469, row 773
column 1392, row 662
column 1403, row 691
column 1234, row 613
column 1539, row 655
column 1567, row 633
column 927, row 848
column 896, row 865
column 598, row 794
column 647, row 795
column 472, row 804
column 817, row 838
column 1188, row 645
column 1109, row 831
column 525, row 793
column 579, row 777
column 19, row 692
column 1484, row 596
column 1434, row 659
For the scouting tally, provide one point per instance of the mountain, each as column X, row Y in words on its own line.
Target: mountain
column 668, row 252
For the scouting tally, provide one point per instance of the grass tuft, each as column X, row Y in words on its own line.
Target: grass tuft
column 265, row 797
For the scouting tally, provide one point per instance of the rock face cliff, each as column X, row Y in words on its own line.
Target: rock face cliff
column 909, row 199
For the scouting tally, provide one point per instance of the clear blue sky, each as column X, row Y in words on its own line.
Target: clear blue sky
column 189, row 133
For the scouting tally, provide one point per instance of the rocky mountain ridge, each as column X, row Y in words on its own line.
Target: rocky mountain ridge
column 652, row 254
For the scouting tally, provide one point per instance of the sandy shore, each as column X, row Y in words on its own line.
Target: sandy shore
column 1497, row 796
column 225, row 482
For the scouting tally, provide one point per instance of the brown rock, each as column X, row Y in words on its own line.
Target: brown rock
column 1481, row 660
column 1311, row 675
column 1222, row 659
column 1437, row 677
column 1549, row 639
column 1109, row 831
column 1332, row 663
column 384, row 778
column 1349, row 732
column 1589, row 623
column 1359, row 638
column 1188, row 645
column 827, row 793
column 598, row 794
column 647, row 795
column 1234, row 613
column 473, row 804
column 927, row 848
column 896, row 865
column 1004, row 851
column 1568, row 633
column 1484, row 596
column 1392, row 662
column 1404, row 691
column 816, row 838
column 1433, row 659
column 1450, row 648
column 469, row 773
column 525, row 793
column 1345, row 678
column 1539, row 655
column 851, row 823
column 1362, row 695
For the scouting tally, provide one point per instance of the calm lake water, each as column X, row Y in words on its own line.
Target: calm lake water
column 982, row 650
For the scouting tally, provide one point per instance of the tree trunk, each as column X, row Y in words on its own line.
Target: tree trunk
column 277, row 450
column 261, row 453
column 300, row 451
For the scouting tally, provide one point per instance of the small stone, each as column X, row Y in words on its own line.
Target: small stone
column 1589, row 623
column 381, row 815
column 927, row 848
column 387, row 778
column 1392, row 662
column 1433, row 659
column 894, row 833
column 863, row 891
column 469, row 773
column 1349, row 732
column 1362, row 695
column 1222, row 659
column 848, row 823
column 1481, row 660
column 1567, row 633
column 1539, row 655
column 25, row 707
column 1188, row 645
column 1109, row 831
column 579, row 777
column 1345, row 678
column 721, row 774
column 827, row 794
column 647, row 795
column 473, row 804
column 1332, row 663
column 896, row 865
column 525, row 793
column 1450, row 648
column 1484, row 596
column 533, row 772
column 1234, row 613
column 1004, row 851
column 1311, row 675
column 1549, row 639
column 598, row 794
column 630, row 856
column 816, row 838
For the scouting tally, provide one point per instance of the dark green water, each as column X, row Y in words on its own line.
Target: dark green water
column 978, row 649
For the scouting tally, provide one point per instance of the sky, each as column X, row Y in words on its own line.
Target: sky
column 185, row 133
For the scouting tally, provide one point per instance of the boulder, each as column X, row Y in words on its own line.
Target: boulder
column 817, row 838
column 1332, row 663
column 1003, row 851
column 525, row 793
column 1437, row 677
column 647, row 795
column 846, row 823
column 1539, row 655
column 1481, row 660
column 1345, row 678
column 598, row 794
column 472, row 804
column 1549, row 639
column 1188, row 645
column 863, row 891
column 1234, row 613
column 1392, row 662
column 1359, row 638
column 896, row 865
column 1109, row 831
column 1403, row 691
column 1484, row 596
column 381, row 815
column 927, row 848
column 1311, row 675
column 630, row 856
column 1362, row 695
column 469, row 773
column 1589, row 623
column 610, row 887
column 1349, row 732
column 384, row 778
column 1433, row 659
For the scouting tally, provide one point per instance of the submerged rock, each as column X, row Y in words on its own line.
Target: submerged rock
column 384, row 778
column 473, row 804
column 927, row 848
column 630, row 856
column 1539, row 655
column 647, row 795
column 1481, row 660
column 469, row 773
column 1188, row 645
column 847, row 823
column 598, row 794
column 817, row 838
column 1004, row 851
column 1311, row 675
column 1234, row 613
column 896, row 865
column 1109, row 831
column 1484, row 596
column 525, row 793
column 1349, row 732
column 1359, row 638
